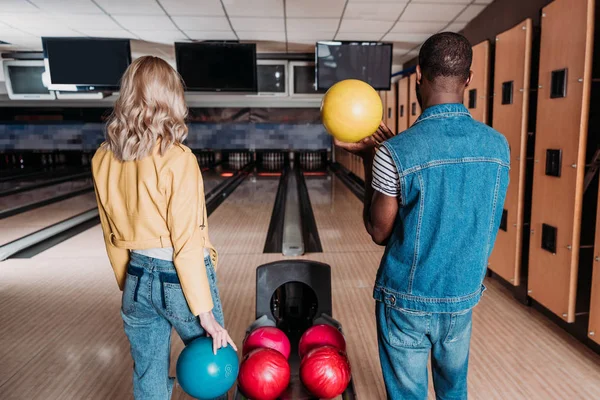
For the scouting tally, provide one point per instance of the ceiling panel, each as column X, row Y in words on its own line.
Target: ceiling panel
column 94, row 22
column 210, row 35
column 312, row 24
column 145, row 22
column 205, row 24
column 17, row 6
column 359, row 37
column 116, row 33
column 407, row 37
column 456, row 27
column 129, row 7
column 167, row 36
column 374, row 11
column 430, row 12
column 470, row 13
column 356, row 25
column 312, row 8
column 68, row 6
column 310, row 36
column 55, row 31
column 418, row 27
column 6, row 30
column 254, row 8
column 269, row 36
column 31, row 20
column 193, row 7
column 258, row 24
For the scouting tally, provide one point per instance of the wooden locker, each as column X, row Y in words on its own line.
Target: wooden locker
column 566, row 52
column 415, row 108
column 511, row 118
column 594, row 323
column 477, row 93
column 403, row 104
column 383, row 96
column 390, row 109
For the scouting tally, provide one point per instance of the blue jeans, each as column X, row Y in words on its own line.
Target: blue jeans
column 153, row 303
column 406, row 338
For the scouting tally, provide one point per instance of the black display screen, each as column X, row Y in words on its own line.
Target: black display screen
column 86, row 62
column 370, row 62
column 27, row 79
column 217, row 66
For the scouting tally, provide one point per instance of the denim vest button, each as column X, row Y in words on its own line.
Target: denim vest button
column 392, row 300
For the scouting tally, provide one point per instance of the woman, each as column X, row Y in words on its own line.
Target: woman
column 151, row 202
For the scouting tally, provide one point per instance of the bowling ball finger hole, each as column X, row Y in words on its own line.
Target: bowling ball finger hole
column 294, row 306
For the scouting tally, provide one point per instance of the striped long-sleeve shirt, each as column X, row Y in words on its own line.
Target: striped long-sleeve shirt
column 385, row 173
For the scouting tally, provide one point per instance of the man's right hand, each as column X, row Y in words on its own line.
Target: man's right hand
column 213, row 329
column 366, row 146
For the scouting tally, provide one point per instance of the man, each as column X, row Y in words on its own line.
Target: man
column 434, row 197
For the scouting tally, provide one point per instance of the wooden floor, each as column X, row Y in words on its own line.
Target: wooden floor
column 61, row 336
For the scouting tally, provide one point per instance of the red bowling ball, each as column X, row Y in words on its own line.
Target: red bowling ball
column 321, row 335
column 264, row 374
column 325, row 372
column 267, row 337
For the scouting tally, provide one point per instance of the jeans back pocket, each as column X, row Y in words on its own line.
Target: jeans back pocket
column 131, row 289
column 174, row 301
column 407, row 328
column 460, row 326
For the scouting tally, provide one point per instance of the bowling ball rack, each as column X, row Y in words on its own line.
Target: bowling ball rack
column 293, row 295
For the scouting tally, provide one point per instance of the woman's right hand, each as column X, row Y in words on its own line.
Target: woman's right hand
column 216, row 331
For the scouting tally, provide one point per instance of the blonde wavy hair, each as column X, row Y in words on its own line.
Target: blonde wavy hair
column 150, row 108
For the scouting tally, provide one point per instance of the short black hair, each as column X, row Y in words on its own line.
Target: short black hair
column 446, row 54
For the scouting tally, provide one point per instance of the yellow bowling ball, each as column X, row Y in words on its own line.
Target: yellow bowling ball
column 351, row 110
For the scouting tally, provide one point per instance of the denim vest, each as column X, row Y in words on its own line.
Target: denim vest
column 453, row 178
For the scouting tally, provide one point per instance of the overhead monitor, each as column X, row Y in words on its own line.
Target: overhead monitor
column 370, row 62
column 217, row 66
column 25, row 80
column 86, row 64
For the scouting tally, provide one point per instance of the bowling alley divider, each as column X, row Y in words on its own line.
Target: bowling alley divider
column 515, row 119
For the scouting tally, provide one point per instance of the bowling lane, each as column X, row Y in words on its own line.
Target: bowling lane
column 30, row 196
column 240, row 224
column 25, row 223
column 19, row 225
column 338, row 214
column 30, row 178
column 211, row 179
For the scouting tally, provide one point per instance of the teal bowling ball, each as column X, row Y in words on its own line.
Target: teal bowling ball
column 204, row 375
